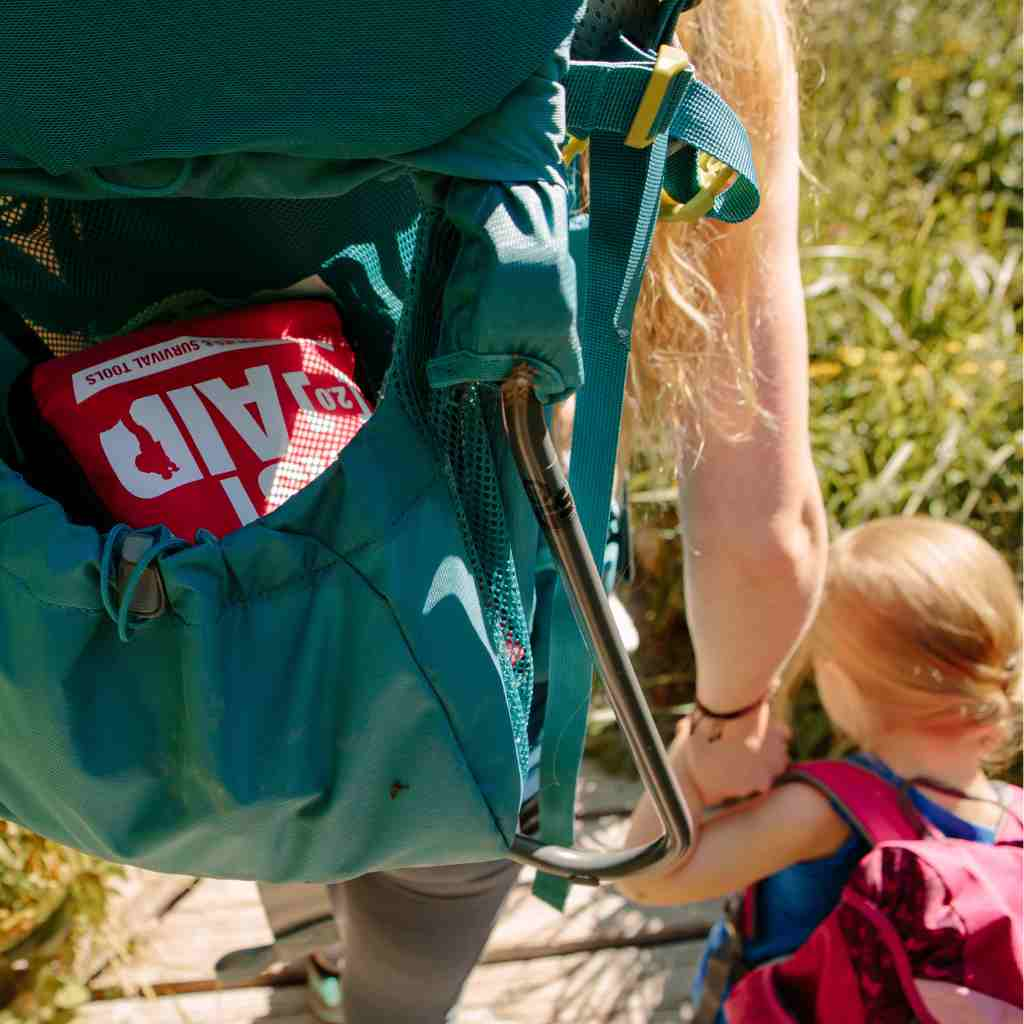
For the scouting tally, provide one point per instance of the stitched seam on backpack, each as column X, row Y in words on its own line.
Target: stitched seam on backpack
column 46, row 602
column 305, row 579
column 300, row 580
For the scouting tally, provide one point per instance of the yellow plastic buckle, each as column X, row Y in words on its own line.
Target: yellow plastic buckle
column 672, row 210
column 671, row 62
column 573, row 148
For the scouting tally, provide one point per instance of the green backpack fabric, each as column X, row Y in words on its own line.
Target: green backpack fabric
column 331, row 689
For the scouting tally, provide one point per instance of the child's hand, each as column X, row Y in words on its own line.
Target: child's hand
column 748, row 755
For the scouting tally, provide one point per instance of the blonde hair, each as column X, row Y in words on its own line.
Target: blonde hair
column 924, row 618
column 743, row 49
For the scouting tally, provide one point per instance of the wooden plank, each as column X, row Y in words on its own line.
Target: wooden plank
column 218, row 917
column 589, row 911
column 626, row 986
column 631, row 986
column 293, row 904
column 214, row 918
column 599, row 789
column 138, row 899
column 238, row 1006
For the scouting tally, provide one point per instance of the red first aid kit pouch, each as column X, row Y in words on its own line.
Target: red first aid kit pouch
column 205, row 423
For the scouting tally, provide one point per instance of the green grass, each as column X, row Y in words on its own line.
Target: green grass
column 911, row 253
column 911, row 246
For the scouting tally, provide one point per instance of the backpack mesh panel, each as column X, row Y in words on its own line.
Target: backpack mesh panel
column 462, row 423
column 80, row 271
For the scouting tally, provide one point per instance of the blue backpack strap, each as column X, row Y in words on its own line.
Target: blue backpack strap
column 625, row 199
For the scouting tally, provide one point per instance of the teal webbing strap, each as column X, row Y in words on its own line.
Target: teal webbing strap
column 625, row 194
column 605, row 97
column 625, row 191
column 706, row 123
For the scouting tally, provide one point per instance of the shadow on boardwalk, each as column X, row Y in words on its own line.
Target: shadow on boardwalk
column 604, row 961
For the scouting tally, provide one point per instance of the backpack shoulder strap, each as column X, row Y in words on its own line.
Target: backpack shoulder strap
column 874, row 807
column 603, row 102
column 870, row 805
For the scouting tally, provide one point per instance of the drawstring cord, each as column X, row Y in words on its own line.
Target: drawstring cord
column 120, row 610
column 110, row 545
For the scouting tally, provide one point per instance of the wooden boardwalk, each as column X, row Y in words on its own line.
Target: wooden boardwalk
column 604, row 961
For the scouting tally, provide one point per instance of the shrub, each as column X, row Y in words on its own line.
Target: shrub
column 50, row 899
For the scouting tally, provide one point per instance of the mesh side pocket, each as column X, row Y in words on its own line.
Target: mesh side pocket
column 82, row 270
column 462, row 423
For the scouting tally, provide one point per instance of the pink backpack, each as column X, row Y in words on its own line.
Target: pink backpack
column 928, row 928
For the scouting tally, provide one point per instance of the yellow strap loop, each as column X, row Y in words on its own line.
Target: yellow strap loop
column 688, row 212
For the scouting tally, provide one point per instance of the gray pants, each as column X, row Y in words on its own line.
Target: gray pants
column 412, row 937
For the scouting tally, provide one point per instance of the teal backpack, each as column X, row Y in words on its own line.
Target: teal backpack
column 329, row 690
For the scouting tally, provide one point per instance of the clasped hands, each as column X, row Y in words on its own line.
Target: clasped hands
column 736, row 759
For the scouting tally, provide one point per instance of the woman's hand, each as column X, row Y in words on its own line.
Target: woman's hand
column 734, row 758
column 749, row 755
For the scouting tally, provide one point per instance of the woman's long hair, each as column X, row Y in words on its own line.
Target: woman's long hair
column 743, row 49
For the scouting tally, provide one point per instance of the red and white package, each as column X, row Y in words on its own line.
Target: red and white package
column 210, row 422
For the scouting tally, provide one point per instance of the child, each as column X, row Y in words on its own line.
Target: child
column 916, row 652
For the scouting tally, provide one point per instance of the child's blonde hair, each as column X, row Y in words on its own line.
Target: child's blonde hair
column 924, row 617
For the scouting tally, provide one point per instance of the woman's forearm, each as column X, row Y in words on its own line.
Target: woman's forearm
column 752, row 517
column 753, row 521
column 751, row 590
column 751, row 511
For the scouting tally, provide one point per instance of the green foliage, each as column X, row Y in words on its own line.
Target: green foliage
column 911, row 243
column 50, row 898
column 911, row 248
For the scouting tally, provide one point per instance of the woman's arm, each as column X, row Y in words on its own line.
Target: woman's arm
column 738, row 846
column 751, row 510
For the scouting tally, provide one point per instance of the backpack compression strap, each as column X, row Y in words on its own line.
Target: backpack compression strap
column 605, row 103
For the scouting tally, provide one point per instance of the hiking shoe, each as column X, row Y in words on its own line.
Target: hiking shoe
column 323, row 990
column 323, row 996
